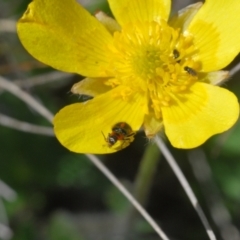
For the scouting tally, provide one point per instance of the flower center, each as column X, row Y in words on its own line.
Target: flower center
column 156, row 59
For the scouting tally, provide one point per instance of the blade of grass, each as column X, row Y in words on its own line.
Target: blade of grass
column 183, row 181
column 25, row 97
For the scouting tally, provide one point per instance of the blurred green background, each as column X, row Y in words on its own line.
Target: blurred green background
column 62, row 196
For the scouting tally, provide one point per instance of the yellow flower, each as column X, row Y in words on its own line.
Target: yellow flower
column 142, row 69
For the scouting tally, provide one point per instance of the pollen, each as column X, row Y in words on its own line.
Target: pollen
column 156, row 59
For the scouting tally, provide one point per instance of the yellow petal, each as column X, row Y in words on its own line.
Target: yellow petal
column 65, row 36
column 90, row 87
column 205, row 111
column 216, row 33
column 126, row 11
column 110, row 23
column 80, row 127
column 185, row 16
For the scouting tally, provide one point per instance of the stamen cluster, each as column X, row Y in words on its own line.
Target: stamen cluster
column 154, row 58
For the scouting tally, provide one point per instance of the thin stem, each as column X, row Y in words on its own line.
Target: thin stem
column 42, row 79
column 27, row 98
column 183, row 181
column 6, row 192
column 234, row 70
column 24, row 126
column 146, row 173
column 218, row 210
column 5, row 232
column 7, row 25
column 127, row 194
column 142, row 184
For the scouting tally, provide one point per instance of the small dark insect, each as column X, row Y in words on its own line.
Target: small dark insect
column 176, row 53
column 120, row 132
column 190, row 71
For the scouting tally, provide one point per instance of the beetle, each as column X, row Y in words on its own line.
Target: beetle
column 190, row 71
column 120, row 132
